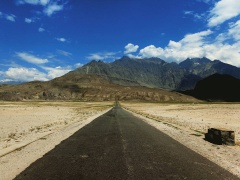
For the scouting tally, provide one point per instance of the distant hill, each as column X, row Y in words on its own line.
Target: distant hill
column 217, row 87
column 156, row 73
column 11, row 82
column 86, row 87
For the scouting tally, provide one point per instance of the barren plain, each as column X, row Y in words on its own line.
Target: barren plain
column 188, row 122
column 28, row 130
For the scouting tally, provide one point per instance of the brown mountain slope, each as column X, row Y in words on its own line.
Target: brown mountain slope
column 86, row 88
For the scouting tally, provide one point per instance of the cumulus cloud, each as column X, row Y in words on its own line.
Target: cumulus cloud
column 24, row 74
column 130, row 48
column 151, row 51
column 53, row 72
column 198, row 45
column 40, row 71
column 189, row 46
column 31, row 58
column 223, row 11
column 61, row 39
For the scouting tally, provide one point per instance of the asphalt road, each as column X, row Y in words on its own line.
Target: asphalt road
column 118, row 145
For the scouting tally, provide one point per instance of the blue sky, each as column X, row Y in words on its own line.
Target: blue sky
column 44, row 39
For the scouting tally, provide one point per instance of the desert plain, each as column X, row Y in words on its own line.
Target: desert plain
column 28, row 130
column 188, row 122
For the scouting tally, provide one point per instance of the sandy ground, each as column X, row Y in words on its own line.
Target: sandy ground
column 28, row 130
column 187, row 124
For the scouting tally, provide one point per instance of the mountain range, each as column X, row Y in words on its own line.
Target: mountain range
column 156, row 73
column 127, row 78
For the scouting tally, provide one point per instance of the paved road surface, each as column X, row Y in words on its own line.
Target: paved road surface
column 118, row 145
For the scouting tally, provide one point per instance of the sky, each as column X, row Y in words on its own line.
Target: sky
column 44, row 39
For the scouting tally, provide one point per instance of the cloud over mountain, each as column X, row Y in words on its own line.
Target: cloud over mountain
column 130, row 48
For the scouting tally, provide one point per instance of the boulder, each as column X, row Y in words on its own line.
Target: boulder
column 220, row 136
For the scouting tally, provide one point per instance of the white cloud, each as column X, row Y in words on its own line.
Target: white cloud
column 223, row 11
column 77, row 65
column 224, row 46
column 28, row 20
column 196, row 16
column 10, row 17
column 44, row 2
column 130, row 48
column 61, row 39
column 41, row 29
column 65, row 53
column 34, row 2
column 151, row 51
column 57, row 71
column 197, row 45
column 102, row 56
column 189, row 46
column 234, row 31
column 95, row 57
column 24, row 74
column 52, row 8
column 30, row 58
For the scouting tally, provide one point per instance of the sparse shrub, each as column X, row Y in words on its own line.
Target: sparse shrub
column 12, row 135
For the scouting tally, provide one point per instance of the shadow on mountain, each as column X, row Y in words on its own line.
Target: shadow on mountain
column 217, row 87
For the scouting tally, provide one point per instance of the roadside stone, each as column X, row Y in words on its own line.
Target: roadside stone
column 220, row 136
